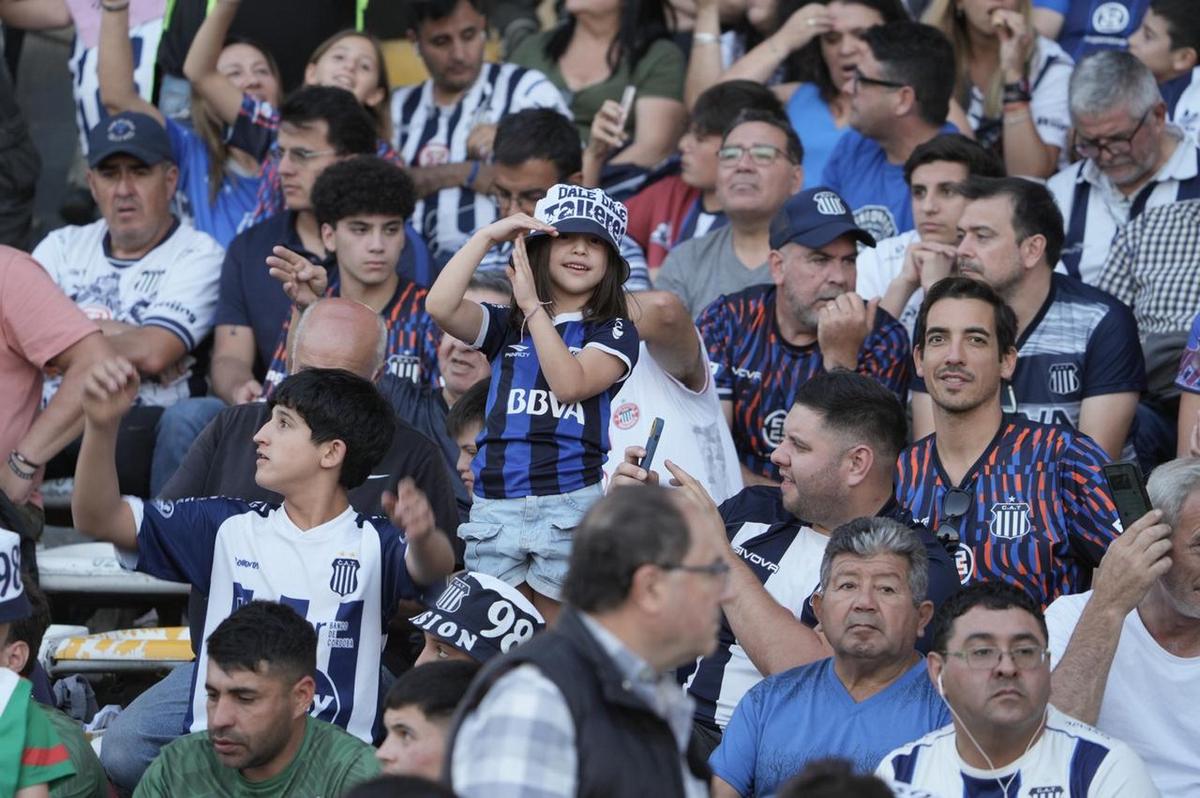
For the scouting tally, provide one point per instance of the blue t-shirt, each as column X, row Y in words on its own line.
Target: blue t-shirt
column 810, row 114
column 875, row 190
column 223, row 217
column 798, row 716
column 532, row 444
column 1189, row 365
column 1091, row 25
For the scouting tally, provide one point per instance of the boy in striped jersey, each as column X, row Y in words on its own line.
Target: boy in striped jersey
column 1023, row 502
column 992, row 668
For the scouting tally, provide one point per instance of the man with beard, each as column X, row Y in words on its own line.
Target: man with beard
column 260, row 738
column 1022, row 502
column 1079, row 362
column 1131, row 158
column 872, row 692
column 837, row 459
column 766, row 341
column 444, row 128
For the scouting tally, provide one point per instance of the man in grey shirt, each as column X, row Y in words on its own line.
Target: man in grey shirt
column 758, row 169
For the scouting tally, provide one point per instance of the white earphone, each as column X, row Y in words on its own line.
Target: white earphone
column 941, row 688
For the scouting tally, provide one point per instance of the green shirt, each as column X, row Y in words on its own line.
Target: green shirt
column 660, row 73
column 89, row 780
column 329, row 763
column 30, row 751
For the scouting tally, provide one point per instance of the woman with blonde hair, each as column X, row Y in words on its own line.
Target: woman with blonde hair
column 1012, row 81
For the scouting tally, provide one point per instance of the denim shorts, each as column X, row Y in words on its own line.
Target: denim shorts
column 526, row 539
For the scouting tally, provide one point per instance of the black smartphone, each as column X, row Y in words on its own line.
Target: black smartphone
column 656, row 428
column 1128, row 489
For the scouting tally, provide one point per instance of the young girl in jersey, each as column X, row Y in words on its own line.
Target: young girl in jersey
column 559, row 353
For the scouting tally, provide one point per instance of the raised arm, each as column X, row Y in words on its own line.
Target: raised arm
column 1131, row 566
column 445, row 302
column 200, row 66
column 429, row 556
column 665, row 325
column 96, row 506
column 704, row 63
column 114, row 68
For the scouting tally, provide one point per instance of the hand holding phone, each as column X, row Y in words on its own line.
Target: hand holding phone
column 1128, row 489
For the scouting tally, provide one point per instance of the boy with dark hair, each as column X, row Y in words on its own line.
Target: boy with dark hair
column 361, row 205
column 464, row 422
column 262, row 661
column 535, row 149
column 18, row 652
column 1168, row 42
column 417, row 714
column 31, row 755
column 683, row 206
column 344, row 572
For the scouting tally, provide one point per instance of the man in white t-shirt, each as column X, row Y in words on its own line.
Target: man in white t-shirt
column 1127, row 652
column 673, row 381
column 899, row 269
column 990, row 664
column 149, row 282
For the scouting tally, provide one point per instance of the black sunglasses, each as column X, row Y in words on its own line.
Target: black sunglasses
column 955, row 504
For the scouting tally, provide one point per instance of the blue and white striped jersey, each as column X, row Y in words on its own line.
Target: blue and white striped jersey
column 1070, row 760
column 532, row 444
column 344, row 577
column 1182, row 96
column 427, row 134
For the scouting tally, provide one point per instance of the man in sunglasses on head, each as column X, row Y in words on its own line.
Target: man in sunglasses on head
column 1078, row 359
column 1021, row 501
column 992, row 669
column 1131, row 158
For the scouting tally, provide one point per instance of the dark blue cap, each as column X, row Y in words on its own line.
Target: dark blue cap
column 129, row 133
column 813, row 218
column 479, row 615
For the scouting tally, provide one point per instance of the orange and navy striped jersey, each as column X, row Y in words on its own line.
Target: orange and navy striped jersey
column 755, row 368
column 412, row 338
column 1041, row 516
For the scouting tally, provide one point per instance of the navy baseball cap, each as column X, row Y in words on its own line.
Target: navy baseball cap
column 813, row 218
column 479, row 615
column 575, row 209
column 14, row 604
column 129, row 133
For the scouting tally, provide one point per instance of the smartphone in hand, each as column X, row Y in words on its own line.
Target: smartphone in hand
column 656, row 428
column 1128, row 489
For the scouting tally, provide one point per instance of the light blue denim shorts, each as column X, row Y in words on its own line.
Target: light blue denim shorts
column 526, row 539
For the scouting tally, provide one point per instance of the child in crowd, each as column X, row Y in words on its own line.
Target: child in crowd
column 417, row 714
column 558, row 353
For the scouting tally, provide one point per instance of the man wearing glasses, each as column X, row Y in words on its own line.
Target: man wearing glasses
column 1018, row 500
column 992, row 669
column 1132, row 158
column 758, row 168
column 899, row 99
column 591, row 707
column 533, row 150
column 1078, row 359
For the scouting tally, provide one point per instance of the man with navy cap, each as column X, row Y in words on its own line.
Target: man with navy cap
column 768, row 340
column 149, row 282
column 31, row 755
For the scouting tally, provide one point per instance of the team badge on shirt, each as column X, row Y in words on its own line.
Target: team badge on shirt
column 345, row 576
column 1064, row 378
column 452, row 597
column 1045, row 792
column 626, row 416
column 1010, row 520
column 772, row 431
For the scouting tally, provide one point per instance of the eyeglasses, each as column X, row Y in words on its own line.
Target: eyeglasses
column 300, row 156
column 760, row 154
column 523, row 199
column 719, row 569
column 985, row 658
column 1113, row 145
column 859, row 77
column 955, row 504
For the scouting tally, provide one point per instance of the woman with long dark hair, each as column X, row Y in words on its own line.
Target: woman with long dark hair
column 602, row 47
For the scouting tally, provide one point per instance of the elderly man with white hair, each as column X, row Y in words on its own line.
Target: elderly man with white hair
column 1127, row 652
column 1131, row 158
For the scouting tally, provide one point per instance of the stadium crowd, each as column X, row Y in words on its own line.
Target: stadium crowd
column 617, row 397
